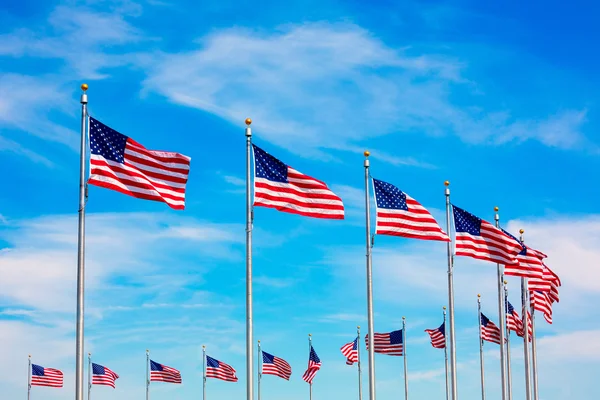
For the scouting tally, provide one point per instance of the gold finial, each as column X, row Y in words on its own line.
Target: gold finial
column 30, row 356
column 403, row 317
column 496, row 208
column 367, row 153
column 444, row 307
column 478, row 295
column 358, row 327
column 84, row 87
column 521, row 231
column 505, row 282
column 309, row 334
column 203, row 346
column 447, row 183
column 248, row 121
column 89, row 354
column 259, row 341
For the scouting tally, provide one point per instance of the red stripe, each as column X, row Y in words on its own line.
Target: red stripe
column 134, row 194
column 304, row 213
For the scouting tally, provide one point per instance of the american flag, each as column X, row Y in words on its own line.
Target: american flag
column 513, row 321
column 529, row 262
column 272, row 365
column 162, row 373
column 489, row 330
column 549, row 282
column 398, row 214
column 521, row 332
column 279, row 186
column 220, row 370
column 350, row 351
column 103, row 376
column 314, row 364
column 119, row 163
column 479, row 239
column 542, row 303
column 438, row 336
column 388, row 343
column 48, row 377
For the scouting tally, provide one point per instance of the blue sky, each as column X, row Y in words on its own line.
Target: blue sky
column 499, row 99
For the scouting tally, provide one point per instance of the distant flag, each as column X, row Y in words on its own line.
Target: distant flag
column 391, row 343
column 48, row 377
column 162, row 373
column 279, row 186
column 103, row 376
column 521, row 332
column 513, row 321
column 489, row 330
column 529, row 262
column 542, row 303
column 438, row 336
column 479, row 239
column 314, row 364
column 398, row 214
column 272, row 365
column 119, row 163
column 219, row 370
column 350, row 351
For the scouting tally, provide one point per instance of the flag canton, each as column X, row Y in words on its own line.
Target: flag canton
column 509, row 307
column 37, row 370
column 396, row 337
column 464, row 221
column 211, row 362
column 355, row 344
column 313, row 356
column 98, row 369
column 442, row 328
column 484, row 320
column 524, row 251
column 267, row 358
column 389, row 196
column 107, row 142
column 154, row 366
column 269, row 167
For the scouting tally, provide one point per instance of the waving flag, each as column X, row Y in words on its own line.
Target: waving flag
column 398, row 214
column 438, row 336
column 479, row 239
column 513, row 321
column 272, row 365
column 529, row 262
column 162, row 373
column 281, row 187
column 314, row 364
column 48, row 377
column 391, row 343
column 542, row 303
column 350, row 351
column 103, row 376
column 119, row 163
column 219, row 370
column 521, row 332
column 489, row 330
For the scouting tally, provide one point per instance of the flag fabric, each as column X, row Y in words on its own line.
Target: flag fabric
column 542, row 303
column 162, row 373
column 272, row 365
column 281, row 187
column 489, row 330
column 438, row 336
column 529, row 262
column 549, row 282
column 398, row 214
column 350, row 351
column 314, row 364
column 103, row 376
column 479, row 239
column 513, row 321
column 521, row 332
column 119, row 163
column 48, row 377
column 388, row 343
column 219, row 370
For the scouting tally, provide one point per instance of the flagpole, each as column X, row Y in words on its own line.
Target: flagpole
column 89, row 375
column 525, row 304
column 309, row 349
column 258, row 370
column 451, row 299
column 147, row 374
column 446, row 356
column 359, row 369
column 481, row 349
column 370, row 327
column 405, row 362
column 29, row 379
column 203, row 372
column 249, row 218
column 501, row 317
column 81, row 252
column 534, row 355
column 508, row 366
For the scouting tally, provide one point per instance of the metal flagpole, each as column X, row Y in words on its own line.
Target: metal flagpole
column 81, row 251
column 359, row 369
column 89, row 375
column 405, row 363
column 203, row 372
column 534, row 356
column 481, row 349
column 309, row 349
column 508, row 366
column 259, row 371
column 29, row 379
column 446, row 356
column 147, row 374
column 451, row 299
column 249, row 218
column 370, row 349
column 501, row 316
column 525, row 303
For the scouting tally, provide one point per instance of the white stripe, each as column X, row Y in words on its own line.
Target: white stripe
column 284, row 185
column 176, row 163
column 260, row 201
column 115, row 182
column 146, row 179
